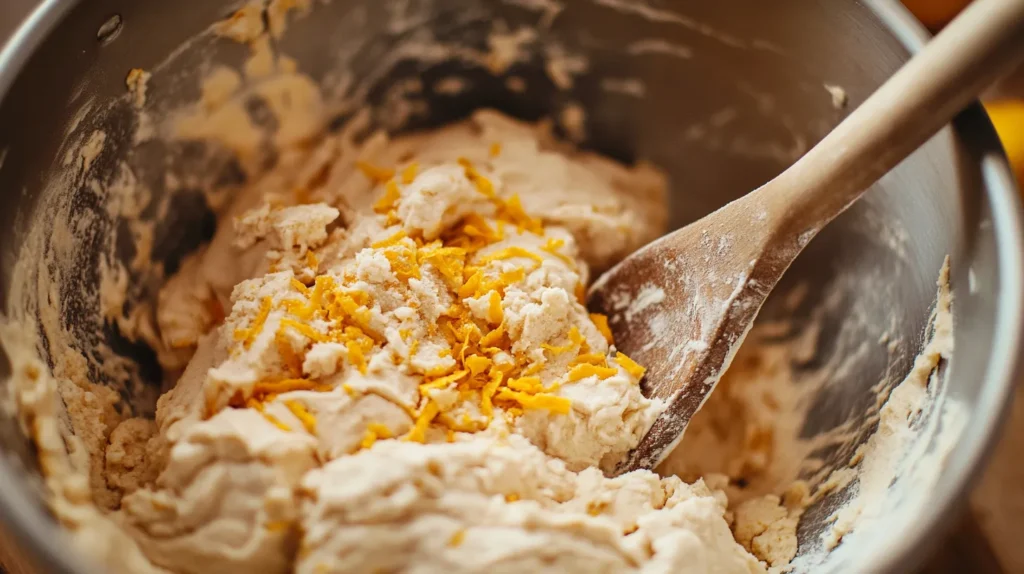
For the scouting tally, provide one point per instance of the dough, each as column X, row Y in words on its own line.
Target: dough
column 404, row 377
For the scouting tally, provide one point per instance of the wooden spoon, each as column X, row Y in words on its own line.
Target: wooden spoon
column 682, row 305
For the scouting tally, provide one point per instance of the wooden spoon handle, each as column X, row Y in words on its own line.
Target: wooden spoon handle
column 974, row 50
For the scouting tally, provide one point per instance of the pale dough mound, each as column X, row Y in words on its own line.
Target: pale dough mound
column 393, row 370
column 499, row 505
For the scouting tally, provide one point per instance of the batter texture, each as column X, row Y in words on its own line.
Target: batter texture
column 396, row 372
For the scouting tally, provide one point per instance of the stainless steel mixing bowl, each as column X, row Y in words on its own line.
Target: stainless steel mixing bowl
column 732, row 92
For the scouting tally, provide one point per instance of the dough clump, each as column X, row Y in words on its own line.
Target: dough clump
column 393, row 370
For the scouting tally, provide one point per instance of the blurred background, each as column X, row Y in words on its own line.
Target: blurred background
column 990, row 536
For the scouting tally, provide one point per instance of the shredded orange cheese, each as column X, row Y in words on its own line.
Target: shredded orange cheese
column 477, row 364
column 494, row 312
column 489, row 390
column 585, row 370
column 581, row 293
column 630, row 366
column 443, row 382
column 511, row 253
column 402, row 255
column 374, row 173
column 449, row 261
column 300, row 287
column 368, row 439
column 558, row 350
column 306, row 330
column 482, row 367
column 552, row 246
column 575, row 340
column 576, row 337
column 247, row 336
column 258, row 406
column 509, row 278
column 409, row 173
column 591, row 358
column 553, row 403
column 525, row 384
column 418, row 433
column 494, row 337
column 374, row 432
column 533, row 369
column 601, row 322
column 392, row 240
column 469, row 288
column 287, row 385
column 305, row 417
column 512, row 211
column 483, row 185
column 457, row 538
column 475, row 227
column 356, row 355
column 276, row 423
column 389, row 200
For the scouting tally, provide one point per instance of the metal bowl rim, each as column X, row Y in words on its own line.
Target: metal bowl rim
column 48, row 547
column 1004, row 365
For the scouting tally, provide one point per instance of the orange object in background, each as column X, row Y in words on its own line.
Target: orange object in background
column 1008, row 118
column 1007, row 115
column 935, row 14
